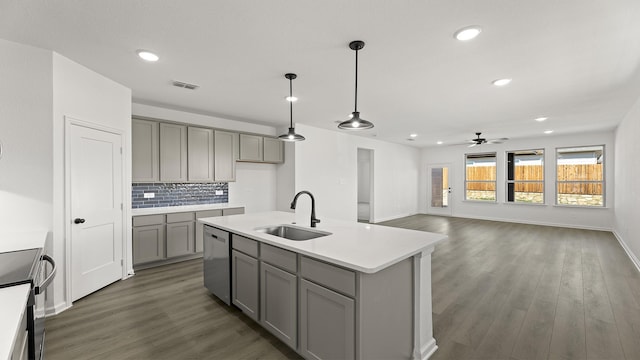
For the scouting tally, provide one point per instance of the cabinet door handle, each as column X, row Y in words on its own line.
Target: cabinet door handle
column 78, row 221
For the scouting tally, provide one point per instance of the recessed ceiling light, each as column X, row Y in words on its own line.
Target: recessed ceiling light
column 413, row 135
column 548, row 131
column 148, row 55
column 541, row 119
column 439, row 142
column 291, row 98
column 467, row 33
column 501, row 82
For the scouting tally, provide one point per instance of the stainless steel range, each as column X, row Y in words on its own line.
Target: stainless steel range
column 28, row 267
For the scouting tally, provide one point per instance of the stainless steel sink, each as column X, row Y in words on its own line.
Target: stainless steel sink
column 292, row 232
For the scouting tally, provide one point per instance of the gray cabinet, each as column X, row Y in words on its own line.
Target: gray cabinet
column 225, row 153
column 244, row 283
column 273, row 150
column 180, row 235
column 256, row 148
column 325, row 311
column 173, row 153
column 279, row 303
column 200, row 154
column 148, row 239
column 327, row 323
column 144, row 151
column 251, row 148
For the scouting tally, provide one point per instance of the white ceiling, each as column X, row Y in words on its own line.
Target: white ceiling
column 575, row 61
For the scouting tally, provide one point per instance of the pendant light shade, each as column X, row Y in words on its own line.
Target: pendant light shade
column 291, row 134
column 356, row 122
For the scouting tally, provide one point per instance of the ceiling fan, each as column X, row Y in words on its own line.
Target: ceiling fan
column 479, row 141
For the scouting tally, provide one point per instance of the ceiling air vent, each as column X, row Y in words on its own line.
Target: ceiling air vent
column 185, row 85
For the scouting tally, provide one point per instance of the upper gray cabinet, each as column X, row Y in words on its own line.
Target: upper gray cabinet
column 251, row 147
column 144, row 157
column 226, row 154
column 200, row 154
column 173, row 153
column 273, row 150
column 255, row 148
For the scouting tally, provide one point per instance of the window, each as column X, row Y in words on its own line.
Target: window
column 580, row 179
column 525, row 176
column 480, row 177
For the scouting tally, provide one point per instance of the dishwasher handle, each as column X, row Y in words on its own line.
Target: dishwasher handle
column 40, row 288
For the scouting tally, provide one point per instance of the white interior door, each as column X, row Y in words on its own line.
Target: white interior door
column 95, row 175
column 439, row 192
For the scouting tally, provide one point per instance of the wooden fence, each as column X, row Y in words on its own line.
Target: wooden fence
column 574, row 173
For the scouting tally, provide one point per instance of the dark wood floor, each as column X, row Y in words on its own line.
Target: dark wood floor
column 500, row 291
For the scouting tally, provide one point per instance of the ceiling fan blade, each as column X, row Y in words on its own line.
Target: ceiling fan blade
column 497, row 141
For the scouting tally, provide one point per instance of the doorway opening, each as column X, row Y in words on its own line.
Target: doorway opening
column 365, row 185
column 439, row 191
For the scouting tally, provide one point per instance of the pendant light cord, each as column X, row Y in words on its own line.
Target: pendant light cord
column 356, row 102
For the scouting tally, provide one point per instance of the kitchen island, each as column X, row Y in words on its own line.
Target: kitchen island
column 358, row 291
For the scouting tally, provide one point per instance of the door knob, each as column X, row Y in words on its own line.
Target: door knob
column 78, row 221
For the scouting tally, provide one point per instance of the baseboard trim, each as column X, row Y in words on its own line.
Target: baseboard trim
column 528, row 222
column 630, row 254
column 57, row 308
column 426, row 351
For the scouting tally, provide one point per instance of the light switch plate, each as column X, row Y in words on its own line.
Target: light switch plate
column 149, row 195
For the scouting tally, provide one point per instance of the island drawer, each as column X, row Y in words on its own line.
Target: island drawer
column 331, row 276
column 281, row 258
column 148, row 220
column 245, row 245
column 180, row 217
column 208, row 213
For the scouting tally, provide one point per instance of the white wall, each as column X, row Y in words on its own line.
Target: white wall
column 26, row 168
column 364, row 176
column 286, row 178
column 326, row 164
column 255, row 185
column 84, row 95
column 549, row 214
column 627, row 173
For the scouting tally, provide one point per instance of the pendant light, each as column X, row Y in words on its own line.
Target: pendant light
column 355, row 122
column 291, row 135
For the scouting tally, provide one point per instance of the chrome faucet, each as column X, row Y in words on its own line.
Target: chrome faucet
column 314, row 221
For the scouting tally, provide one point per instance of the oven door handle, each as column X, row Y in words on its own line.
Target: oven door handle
column 40, row 288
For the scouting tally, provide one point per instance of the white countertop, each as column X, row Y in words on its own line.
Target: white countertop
column 20, row 240
column 362, row 247
column 13, row 301
column 183, row 208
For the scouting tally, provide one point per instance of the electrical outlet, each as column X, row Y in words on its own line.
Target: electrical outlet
column 149, row 195
column 219, row 192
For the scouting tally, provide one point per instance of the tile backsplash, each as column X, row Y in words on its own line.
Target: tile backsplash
column 176, row 194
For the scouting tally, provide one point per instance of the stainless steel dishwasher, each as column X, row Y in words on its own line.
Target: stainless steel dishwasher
column 217, row 265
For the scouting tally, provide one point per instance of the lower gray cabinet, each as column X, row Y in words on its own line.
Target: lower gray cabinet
column 180, row 238
column 244, row 283
column 148, row 243
column 278, row 303
column 327, row 323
